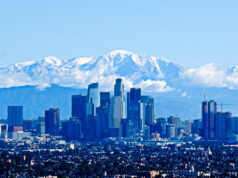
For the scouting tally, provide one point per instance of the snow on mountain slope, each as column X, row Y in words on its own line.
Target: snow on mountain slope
column 136, row 70
column 152, row 74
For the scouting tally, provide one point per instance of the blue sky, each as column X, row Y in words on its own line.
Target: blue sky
column 190, row 33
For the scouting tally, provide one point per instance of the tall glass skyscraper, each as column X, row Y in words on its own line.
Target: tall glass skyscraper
column 117, row 107
column 94, row 96
column 119, row 88
column 14, row 116
column 212, row 110
column 52, row 121
column 209, row 111
column 149, row 109
column 133, row 111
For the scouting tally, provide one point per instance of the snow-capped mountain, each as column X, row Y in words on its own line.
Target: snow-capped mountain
column 153, row 74
column 176, row 89
column 136, row 70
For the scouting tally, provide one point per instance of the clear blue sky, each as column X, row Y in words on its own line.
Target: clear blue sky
column 190, row 33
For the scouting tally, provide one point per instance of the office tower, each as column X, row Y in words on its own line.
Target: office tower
column 142, row 114
column 52, row 117
column 104, row 98
column 117, row 108
column 71, row 129
column 103, row 114
column 205, row 119
column 175, row 121
column 234, row 123
column 171, row 131
column 41, row 125
column 14, row 117
column 221, row 125
column 27, row 125
column 161, row 126
column 197, row 127
column 88, row 128
column 124, row 129
column 188, row 126
column 146, row 132
column 212, row 110
column 133, row 111
column 209, row 110
column 94, row 96
column 231, row 124
column 79, row 106
column 116, row 112
column 149, row 109
column 119, row 88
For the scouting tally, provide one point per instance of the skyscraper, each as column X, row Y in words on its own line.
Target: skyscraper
column 205, row 119
column 149, row 109
column 212, row 110
column 52, row 121
column 79, row 106
column 133, row 111
column 103, row 114
column 117, row 108
column 94, row 96
column 104, row 98
column 14, row 117
column 71, row 129
column 209, row 110
column 119, row 88
column 175, row 121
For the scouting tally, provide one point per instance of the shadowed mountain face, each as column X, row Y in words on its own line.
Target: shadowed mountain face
column 51, row 82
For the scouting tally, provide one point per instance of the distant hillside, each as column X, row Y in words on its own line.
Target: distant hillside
column 187, row 106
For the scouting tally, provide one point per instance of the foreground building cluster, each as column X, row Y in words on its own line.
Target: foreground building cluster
column 50, row 156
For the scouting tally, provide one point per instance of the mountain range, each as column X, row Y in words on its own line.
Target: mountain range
column 49, row 82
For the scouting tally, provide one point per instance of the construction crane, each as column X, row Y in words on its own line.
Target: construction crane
column 203, row 95
column 222, row 104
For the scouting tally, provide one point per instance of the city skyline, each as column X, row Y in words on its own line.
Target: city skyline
column 126, row 88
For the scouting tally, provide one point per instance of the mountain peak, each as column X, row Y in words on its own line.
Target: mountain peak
column 52, row 60
column 120, row 52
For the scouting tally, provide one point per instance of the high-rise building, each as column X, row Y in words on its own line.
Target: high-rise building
column 103, row 114
column 221, row 125
column 197, row 127
column 104, row 98
column 146, row 132
column 71, row 129
column 175, row 121
column 170, row 131
column 52, row 117
column 209, row 113
column 212, row 110
column 205, row 120
column 117, row 108
column 94, row 96
column 133, row 111
column 119, row 88
column 14, row 117
column 41, row 125
column 27, row 125
column 188, row 126
column 79, row 106
column 149, row 109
